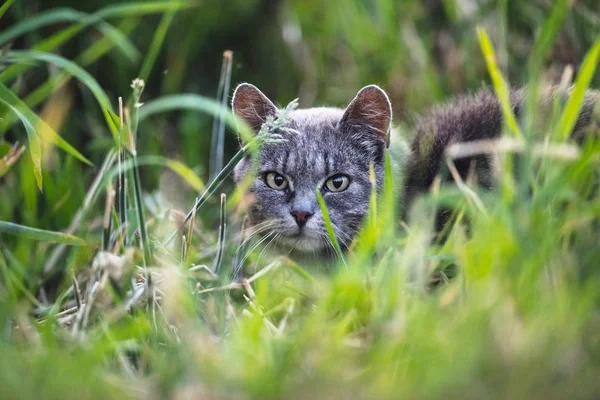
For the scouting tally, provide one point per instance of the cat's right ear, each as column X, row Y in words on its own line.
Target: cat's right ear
column 252, row 105
column 372, row 111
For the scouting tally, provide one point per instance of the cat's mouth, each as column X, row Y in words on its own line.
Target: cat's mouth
column 300, row 241
column 288, row 236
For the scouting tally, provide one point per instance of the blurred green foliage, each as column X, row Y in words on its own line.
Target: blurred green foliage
column 520, row 320
column 319, row 51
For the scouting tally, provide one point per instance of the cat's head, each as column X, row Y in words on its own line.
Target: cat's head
column 328, row 149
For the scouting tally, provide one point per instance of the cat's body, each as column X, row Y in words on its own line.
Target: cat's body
column 473, row 118
column 331, row 150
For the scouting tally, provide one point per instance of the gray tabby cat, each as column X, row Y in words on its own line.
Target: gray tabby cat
column 331, row 149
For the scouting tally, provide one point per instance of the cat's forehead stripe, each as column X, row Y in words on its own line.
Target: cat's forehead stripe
column 284, row 164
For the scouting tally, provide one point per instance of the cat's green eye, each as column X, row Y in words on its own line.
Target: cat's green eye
column 276, row 181
column 337, row 183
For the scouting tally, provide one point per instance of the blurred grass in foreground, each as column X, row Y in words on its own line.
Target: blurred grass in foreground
column 128, row 315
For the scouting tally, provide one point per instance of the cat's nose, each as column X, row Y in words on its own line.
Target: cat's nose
column 301, row 217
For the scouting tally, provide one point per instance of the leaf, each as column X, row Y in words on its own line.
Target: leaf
column 14, row 282
column 186, row 173
column 61, row 15
column 176, row 166
column 141, row 217
column 35, row 149
column 66, row 14
column 586, row 73
column 114, row 121
column 193, row 102
column 40, row 234
column 550, row 29
column 82, row 20
column 5, row 7
column 90, row 55
column 499, row 83
column 41, row 128
column 129, row 9
column 82, row 75
column 330, row 231
column 156, row 45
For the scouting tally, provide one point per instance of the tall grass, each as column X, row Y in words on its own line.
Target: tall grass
column 109, row 289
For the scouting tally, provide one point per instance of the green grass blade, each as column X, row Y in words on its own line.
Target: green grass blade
column 156, row 45
column 142, row 8
column 35, row 149
column 82, row 75
column 89, row 56
column 61, row 15
column 82, row 20
column 82, row 211
column 118, row 38
column 543, row 44
column 66, row 14
column 137, row 189
column 569, row 116
column 499, row 83
column 183, row 171
column 177, row 167
column 389, row 194
column 36, row 22
column 14, row 282
column 372, row 201
column 5, row 7
column 217, row 143
column 548, row 33
column 212, row 187
column 330, row 231
column 221, row 238
column 104, row 45
column 42, row 129
column 40, row 234
column 389, row 202
column 192, row 102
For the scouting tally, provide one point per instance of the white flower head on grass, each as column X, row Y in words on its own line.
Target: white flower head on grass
column 274, row 124
column 138, row 87
column 138, row 84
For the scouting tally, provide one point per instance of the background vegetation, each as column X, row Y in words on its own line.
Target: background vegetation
column 94, row 304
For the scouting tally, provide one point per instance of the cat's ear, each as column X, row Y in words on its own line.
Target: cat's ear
column 370, row 110
column 252, row 105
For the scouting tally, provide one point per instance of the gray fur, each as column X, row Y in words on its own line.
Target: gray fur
column 469, row 118
column 322, row 142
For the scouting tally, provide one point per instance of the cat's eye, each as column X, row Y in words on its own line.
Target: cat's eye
column 276, row 181
column 337, row 183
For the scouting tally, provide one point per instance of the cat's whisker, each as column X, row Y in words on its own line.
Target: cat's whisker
column 254, row 247
column 260, row 227
column 293, row 248
column 274, row 239
column 328, row 244
column 249, row 236
column 264, row 226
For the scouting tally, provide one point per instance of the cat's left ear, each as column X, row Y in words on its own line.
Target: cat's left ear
column 370, row 110
column 252, row 105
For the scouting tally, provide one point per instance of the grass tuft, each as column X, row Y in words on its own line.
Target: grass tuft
column 95, row 303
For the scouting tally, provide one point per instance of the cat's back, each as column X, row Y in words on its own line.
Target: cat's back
column 475, row 117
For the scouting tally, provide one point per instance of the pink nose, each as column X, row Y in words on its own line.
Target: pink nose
column 301, row 217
